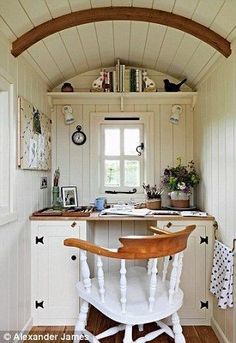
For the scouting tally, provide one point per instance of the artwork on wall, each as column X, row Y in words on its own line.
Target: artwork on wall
column 34, row 130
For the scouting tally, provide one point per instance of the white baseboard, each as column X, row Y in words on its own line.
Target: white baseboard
column 26, row 329
column 218, row 331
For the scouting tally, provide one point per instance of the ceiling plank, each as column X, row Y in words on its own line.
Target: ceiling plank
column 60, row 55
column 138, row 37
column 105, row 41
column 58, row 7
column 153, row 45
column 37, row 11
column 121, row 13
column 10, row 12
column 40, row 53
column 169, row 48
column 185, row 52
column 122, row 40
column 74, row 47
column 90, row 45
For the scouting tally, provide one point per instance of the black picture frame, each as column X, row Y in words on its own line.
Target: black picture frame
column 69, row 196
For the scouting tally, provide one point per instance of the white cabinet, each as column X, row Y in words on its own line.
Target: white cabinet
column 197, row 261
column 55, row 272
column 55, row 268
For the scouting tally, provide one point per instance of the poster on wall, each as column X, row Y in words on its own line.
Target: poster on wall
column 34, row 131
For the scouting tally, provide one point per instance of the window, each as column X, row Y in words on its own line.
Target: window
column 6, row 145
column 121, row 166
column 115, row 164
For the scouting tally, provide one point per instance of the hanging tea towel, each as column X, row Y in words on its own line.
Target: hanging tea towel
column 222, row 275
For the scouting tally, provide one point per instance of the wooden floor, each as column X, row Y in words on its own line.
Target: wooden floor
column 97, row 323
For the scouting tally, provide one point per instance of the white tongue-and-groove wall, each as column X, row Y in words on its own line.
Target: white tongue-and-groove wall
column 170, row 141
column 215, row 153
column 15, row 241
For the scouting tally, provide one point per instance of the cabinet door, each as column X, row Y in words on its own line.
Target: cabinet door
column 56, row 272
column 193, row 278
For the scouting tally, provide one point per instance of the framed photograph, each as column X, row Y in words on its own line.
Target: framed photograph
column 69, row 196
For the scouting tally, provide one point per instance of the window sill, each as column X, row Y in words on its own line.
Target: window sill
column 8, row 218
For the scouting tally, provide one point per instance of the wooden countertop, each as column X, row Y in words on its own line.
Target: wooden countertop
column 95, row 217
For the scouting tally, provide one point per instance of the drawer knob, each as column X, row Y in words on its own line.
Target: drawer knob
column 169, row 225
column 73, row 224
column 73, row 257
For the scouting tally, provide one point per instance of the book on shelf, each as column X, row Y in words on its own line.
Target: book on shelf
column 122, row 79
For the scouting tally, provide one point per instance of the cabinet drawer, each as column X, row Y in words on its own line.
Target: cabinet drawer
column 67, row 228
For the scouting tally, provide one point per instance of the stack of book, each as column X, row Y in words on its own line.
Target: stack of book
column 122, row 79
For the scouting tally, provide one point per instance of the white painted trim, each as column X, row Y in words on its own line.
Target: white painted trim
column 8, row 218
column 218, row 331
column 96, row 118
column 26, row 329
column 60, row 98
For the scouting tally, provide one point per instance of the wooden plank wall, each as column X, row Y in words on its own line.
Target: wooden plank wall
column 214, row 150
column 15, row 237
column 170, row 141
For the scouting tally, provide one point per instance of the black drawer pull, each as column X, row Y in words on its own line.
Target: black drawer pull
column 73, row 257
column 73, row 224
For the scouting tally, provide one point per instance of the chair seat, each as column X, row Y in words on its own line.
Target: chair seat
column 137, row 309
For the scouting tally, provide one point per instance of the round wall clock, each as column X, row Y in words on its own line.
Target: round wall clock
column 78, row 137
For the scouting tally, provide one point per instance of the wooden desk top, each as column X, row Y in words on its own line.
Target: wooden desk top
column 94, row 216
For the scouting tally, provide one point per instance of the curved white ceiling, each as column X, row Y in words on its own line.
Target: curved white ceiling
column 90, row 46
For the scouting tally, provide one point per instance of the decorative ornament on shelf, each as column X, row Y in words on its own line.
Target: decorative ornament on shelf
column 148, row 84
column 67, row 87
column 98, row 83
column 153, row 194
column 172, row 87
column 176, row 110
column 180, row 181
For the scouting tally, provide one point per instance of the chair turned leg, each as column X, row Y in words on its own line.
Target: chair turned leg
column 128, row 334
column 177, row 329
column 82, row 320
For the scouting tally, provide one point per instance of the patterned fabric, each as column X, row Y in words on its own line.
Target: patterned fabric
column 222, row 275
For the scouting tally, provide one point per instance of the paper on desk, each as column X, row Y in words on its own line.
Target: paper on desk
column 193, row 214
column 142, row 212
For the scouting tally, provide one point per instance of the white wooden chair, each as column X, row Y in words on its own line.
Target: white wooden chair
column 137, row 295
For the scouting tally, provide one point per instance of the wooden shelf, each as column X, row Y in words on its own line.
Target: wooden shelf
column 63, row 98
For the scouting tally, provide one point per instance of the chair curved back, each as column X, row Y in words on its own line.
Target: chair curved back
column 163, row 243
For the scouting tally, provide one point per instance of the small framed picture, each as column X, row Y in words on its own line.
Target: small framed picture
column 69, row 196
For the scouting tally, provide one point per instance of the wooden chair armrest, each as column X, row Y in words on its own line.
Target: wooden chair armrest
column 159, row 231
column 90, row 247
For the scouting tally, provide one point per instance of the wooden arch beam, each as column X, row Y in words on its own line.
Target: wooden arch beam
column 121, row 13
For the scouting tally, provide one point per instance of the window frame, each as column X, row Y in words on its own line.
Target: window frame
column 8, row 134
column 122, row 157
column 96, row 120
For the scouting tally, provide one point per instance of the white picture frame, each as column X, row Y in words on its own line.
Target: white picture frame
column 69, row 196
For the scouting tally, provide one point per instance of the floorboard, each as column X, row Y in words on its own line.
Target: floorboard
column 98, row 322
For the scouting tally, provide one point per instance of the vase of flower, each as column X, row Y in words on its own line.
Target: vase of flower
column 180, row 181
column 153, row 194
column 179, row 199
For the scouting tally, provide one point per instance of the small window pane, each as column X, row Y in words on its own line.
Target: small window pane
column 131, row 141
column 112, row 173
column 112, row 142
column 132, row 173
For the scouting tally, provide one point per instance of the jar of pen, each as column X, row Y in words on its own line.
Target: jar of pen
column 56, row 199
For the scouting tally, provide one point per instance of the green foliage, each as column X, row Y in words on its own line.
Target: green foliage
column 181, row 178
